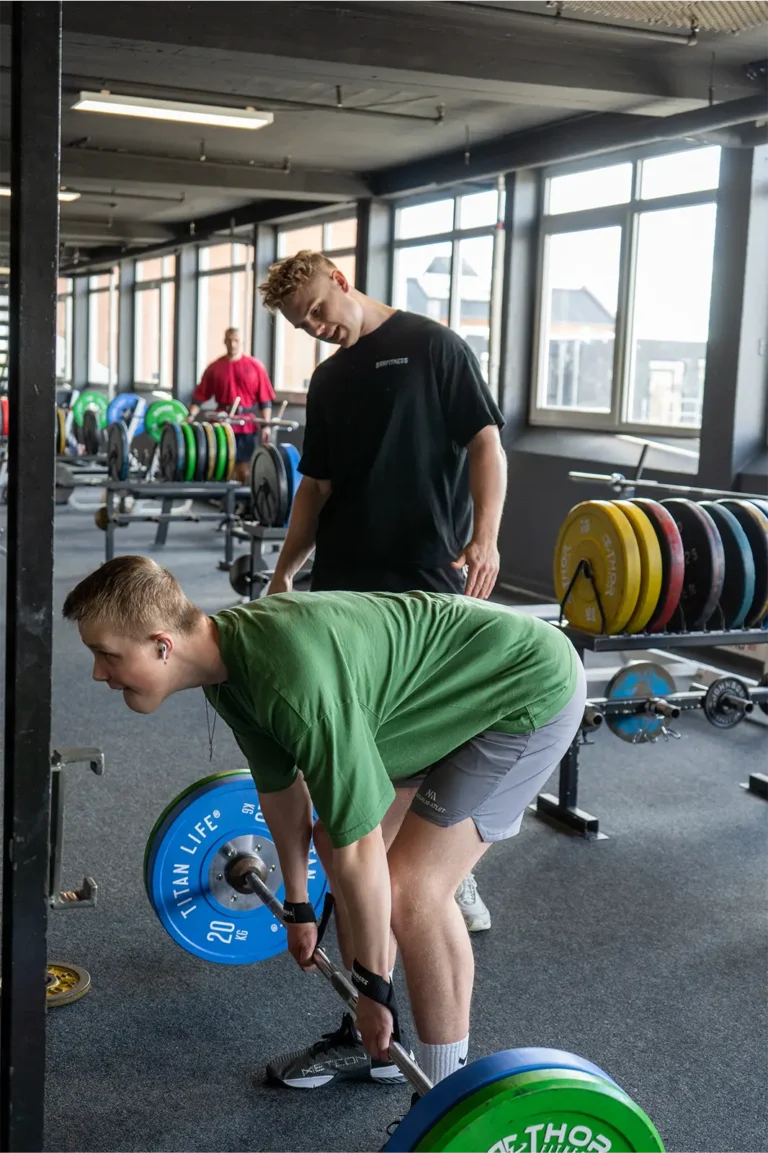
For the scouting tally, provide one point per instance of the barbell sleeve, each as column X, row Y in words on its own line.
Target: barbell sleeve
column 343, row 987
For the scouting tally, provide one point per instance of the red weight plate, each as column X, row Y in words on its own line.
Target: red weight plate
column 4, row 416
column 704, row 561
column 672, row 562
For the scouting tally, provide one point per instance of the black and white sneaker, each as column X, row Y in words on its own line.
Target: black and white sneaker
column 338, row 1056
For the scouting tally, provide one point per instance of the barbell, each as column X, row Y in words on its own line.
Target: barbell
column 213, row 878
column 641, row 698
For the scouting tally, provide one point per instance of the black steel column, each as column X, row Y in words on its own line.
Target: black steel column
column 35, row 119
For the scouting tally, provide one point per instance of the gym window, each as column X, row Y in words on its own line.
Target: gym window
column 103, row 297
column 224, row 299
column 64, row 289
column 447, row 267
column 153, row 322
column 297, row 354
column 625, row 272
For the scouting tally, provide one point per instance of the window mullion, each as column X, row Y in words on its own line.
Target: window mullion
column 622, row 333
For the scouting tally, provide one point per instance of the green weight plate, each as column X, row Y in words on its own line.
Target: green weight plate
column 160, row 412
column 191, row 446
column 90, row 399
column 546, row 1109
column 201, row 447
column 221, row 451
column 210, row 438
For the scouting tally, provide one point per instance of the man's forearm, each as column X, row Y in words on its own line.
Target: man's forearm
column 363, row 876
column 488, row 488
column 194, row 408
column 288, row 814
column 302, row 531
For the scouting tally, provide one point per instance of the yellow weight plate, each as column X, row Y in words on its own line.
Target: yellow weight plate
column 210, row 437
column 61, row 433
column 600, row 535
column 231, row 451
column 65, row 984
column 650, row 565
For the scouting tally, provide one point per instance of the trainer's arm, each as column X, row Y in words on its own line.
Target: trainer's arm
column 488, row 487
column 288, row 814
column 302, row 531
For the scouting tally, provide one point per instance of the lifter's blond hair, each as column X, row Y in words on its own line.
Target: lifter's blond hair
column 290, row 274
column 135, row 596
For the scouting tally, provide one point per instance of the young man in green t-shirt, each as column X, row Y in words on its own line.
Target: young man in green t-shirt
column 420, row 725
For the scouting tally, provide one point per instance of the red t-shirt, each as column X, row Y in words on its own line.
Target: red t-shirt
column 226, row 379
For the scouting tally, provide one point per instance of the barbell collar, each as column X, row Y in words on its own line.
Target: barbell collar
column 334, row 976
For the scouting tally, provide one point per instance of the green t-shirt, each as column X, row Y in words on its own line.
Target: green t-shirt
column 359, row 689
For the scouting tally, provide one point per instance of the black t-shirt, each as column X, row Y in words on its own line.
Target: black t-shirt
column 388, row 421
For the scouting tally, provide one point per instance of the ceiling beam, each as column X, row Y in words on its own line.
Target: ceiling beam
column 139, row 168
column 562, row 142
column 418, row 40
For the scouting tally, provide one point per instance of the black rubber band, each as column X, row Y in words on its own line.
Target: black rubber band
column 298, row 913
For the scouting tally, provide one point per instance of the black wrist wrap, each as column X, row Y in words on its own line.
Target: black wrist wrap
column 298, row 913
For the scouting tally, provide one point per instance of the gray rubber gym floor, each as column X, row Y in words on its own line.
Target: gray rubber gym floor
column 645, row 953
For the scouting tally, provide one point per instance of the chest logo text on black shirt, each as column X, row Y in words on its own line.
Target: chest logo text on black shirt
column 394, row 360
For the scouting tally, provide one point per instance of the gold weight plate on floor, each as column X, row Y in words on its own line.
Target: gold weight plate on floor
column 231, row 451
column 65, row 984
column 601, row 536
column 650, row 565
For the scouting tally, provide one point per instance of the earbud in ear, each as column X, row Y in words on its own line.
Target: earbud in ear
column 164, row 652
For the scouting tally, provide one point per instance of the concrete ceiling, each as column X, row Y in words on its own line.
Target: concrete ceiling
column 415, row 81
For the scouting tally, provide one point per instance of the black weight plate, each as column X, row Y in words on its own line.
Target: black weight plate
column 704, row 561
column 239, row 576
column 91, row 432
column 118, row 451
column 755, row 524
column 718, row 702
column 201, row 443
column 739, row 584
column 269, row 486
column 173, row 453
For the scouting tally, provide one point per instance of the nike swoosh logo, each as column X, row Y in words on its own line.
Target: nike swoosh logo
column 462, row 1060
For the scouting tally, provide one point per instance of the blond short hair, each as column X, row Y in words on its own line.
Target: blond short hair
column 133, row 595
column 288, row 275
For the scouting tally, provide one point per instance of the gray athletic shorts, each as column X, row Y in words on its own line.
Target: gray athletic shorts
column 495, row 776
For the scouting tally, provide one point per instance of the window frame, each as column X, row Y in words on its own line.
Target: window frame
column 67, row 299
column 113, row 291
column 454, row 237
column 140, row 286
column 627, row 217
column 249, row 268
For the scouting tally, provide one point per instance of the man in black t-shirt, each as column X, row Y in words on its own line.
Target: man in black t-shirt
column 404, row 479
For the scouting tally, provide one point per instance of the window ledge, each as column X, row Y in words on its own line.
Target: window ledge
column 299, row 398
column 595, row 448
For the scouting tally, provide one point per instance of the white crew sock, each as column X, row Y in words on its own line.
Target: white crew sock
column 439, row 1061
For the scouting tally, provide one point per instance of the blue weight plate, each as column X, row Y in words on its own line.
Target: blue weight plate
column 641, row 679
column 124, row 407
column 739, row 584
column 291, row 457
column 755, row 524
column 422, row 1116
column 185, row 866
column 704, row 561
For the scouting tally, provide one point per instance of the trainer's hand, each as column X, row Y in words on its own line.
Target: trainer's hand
column 482, row 561
column 280, row 584
column 266, row 435
column 302, row 942
column 375, row 1025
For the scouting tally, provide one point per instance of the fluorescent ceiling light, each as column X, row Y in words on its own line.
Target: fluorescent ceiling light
column 64, row 194
column 152, row 109
column 5, row 272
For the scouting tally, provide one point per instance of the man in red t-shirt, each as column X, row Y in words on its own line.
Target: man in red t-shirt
column 232, row 376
